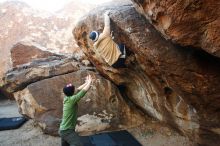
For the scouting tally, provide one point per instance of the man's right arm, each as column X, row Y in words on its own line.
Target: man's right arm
column 83, row 91
column 106, row 30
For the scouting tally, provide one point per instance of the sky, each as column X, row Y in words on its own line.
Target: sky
column 54, row 5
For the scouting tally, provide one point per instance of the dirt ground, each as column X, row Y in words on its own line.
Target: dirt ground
column 149, row 134
column 158, row 134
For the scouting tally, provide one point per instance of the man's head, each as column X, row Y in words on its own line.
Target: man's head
column 94, row 35
column 68, row 90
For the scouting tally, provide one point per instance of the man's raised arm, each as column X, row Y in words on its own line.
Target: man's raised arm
column 107, row 30
column 83, row 89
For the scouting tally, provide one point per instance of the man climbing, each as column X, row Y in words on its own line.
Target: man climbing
column 105, row 46
column 67, row 127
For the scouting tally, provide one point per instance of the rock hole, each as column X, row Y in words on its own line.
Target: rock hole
column 84, row 34
column 113, row 99
column 168, row 90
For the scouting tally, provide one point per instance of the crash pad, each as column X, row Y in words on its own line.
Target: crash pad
column 116, row 138
column 11, row 123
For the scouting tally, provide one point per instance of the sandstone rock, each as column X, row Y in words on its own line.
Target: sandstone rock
column 20, row 77
column 172, row 84
column 188, row 23
column 102, row 109
column 25, row 52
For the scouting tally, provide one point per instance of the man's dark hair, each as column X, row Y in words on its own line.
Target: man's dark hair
column 68, row 90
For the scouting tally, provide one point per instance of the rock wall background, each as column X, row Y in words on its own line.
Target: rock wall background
column 49, row 31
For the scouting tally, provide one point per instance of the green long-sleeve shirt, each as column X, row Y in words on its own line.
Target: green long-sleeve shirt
column 70, row 108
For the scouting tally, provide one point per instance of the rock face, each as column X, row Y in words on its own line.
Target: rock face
column 23, row 53
column 18, row 78
column 177, row 85
column 189, row 23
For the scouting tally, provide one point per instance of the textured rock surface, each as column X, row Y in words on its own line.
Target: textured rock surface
column 173, row 84
column 21, row 76
column 189, row 23
column 24, row 52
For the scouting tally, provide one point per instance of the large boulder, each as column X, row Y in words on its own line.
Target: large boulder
column 177, row 85
column 19, row 77
column 189, row 23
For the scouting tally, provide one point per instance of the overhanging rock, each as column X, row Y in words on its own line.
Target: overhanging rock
column 172, row 84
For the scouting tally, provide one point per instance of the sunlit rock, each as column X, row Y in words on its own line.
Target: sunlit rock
column 25, row 52
column 19, row 77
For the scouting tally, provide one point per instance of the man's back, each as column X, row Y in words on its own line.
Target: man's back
column 107, row 48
